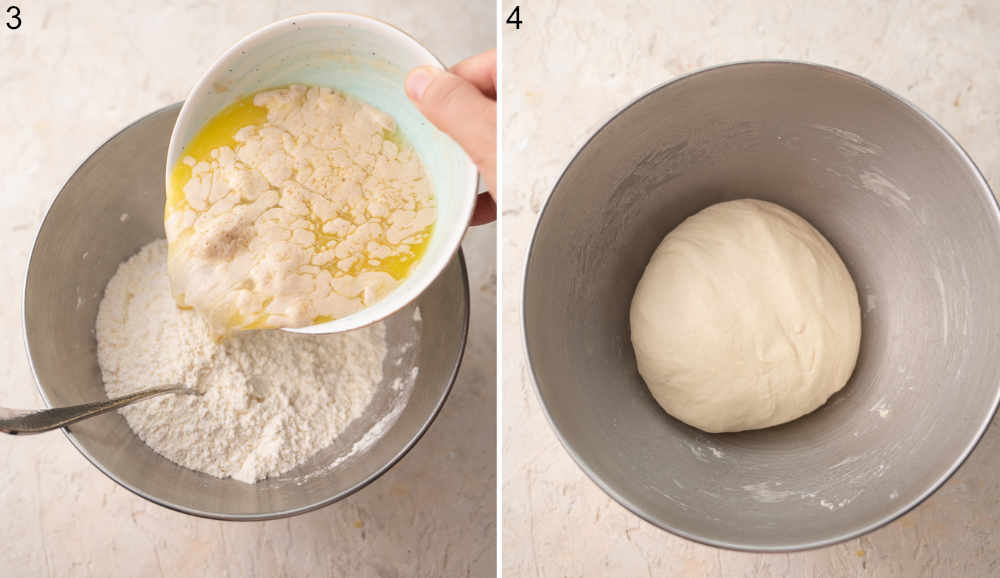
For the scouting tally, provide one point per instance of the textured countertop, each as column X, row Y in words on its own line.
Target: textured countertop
column 565, row 71
column 73, row 75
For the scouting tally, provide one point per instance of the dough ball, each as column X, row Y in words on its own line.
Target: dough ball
column 744, row 318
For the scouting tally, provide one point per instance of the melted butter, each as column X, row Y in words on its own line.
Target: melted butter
column 220, row 131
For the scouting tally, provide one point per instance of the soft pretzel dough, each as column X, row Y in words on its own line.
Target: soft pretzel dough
column 745, row 318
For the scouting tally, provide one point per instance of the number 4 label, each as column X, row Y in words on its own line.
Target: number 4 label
column 515, row 18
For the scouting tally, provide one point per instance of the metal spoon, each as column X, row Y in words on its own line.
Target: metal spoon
column 20, row 421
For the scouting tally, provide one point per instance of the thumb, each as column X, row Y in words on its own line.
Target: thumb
column 460, row 110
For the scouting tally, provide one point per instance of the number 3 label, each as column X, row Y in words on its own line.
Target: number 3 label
column 14, row 21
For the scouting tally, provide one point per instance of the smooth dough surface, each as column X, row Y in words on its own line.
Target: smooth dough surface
column 745, row 318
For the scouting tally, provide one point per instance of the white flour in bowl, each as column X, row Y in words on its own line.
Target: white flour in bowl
column 272, row 399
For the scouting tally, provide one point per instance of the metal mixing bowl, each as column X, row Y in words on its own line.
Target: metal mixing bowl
column 109, row 209
column 916, row 225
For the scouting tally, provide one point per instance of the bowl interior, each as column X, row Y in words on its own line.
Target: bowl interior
column 109, row 209
column 916, row 225
column 369, row 60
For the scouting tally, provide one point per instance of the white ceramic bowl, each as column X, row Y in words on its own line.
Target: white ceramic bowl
column 367, row 59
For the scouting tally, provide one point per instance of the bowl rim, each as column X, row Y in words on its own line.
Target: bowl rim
column 607, row 487
column 453, row 235
column 464, row 275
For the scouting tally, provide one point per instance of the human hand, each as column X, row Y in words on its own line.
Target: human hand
column 462, row 103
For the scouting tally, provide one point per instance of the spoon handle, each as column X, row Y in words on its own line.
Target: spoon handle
column 17, row 422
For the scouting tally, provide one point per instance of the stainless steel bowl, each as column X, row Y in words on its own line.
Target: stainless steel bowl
column 919, row 230
column 111, row 207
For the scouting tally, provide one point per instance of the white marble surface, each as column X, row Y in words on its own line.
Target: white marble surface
column 565, row 71
column 73, row 75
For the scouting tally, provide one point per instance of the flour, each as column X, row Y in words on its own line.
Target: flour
column 271, row 399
